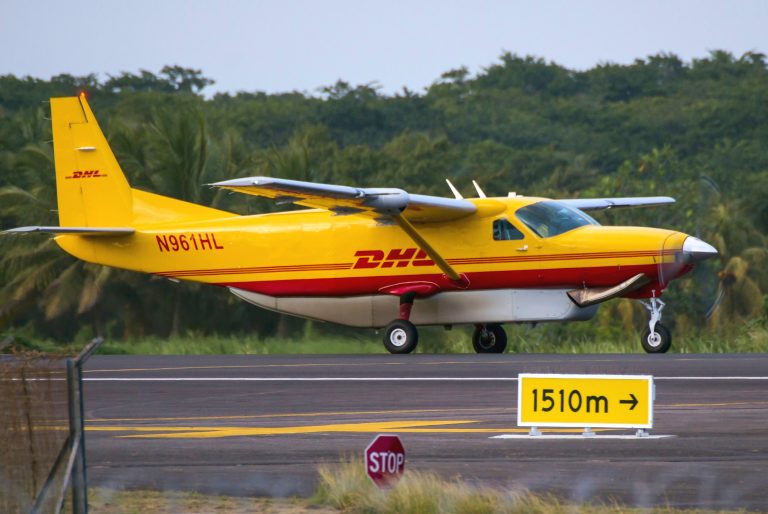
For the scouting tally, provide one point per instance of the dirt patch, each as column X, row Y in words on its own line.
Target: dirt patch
column 108, row 501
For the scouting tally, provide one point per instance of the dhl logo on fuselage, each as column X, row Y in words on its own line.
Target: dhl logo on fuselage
column 86, row 174
column 396, row 258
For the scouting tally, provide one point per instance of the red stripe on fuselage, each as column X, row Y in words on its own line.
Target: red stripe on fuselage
column 465, row 261
column 605, row 276
column 249, row 271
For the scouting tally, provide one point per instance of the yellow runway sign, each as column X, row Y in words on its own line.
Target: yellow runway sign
column 615, row 401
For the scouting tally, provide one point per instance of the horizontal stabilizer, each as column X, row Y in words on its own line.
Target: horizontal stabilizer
column 75, row 231
column 591, row 296
column 597, row 204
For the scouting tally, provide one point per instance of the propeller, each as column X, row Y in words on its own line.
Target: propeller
column 703, row 283
column 706, row 275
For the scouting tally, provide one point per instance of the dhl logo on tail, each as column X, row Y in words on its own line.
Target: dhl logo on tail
column 86, row 174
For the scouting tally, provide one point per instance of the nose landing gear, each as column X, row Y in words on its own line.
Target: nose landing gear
column 656, row 338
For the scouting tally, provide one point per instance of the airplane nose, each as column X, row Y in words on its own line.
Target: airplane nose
column 695, row 250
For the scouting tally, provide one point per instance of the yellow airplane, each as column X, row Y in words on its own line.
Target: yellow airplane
column 369, row 257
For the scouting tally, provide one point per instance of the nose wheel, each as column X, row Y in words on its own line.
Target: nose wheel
column 657, row 341
column 656, row 338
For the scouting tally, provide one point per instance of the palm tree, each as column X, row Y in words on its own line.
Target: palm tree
column 35, row 271
column 177, row 166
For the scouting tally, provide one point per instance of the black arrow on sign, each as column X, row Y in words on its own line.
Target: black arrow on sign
column 632, row 402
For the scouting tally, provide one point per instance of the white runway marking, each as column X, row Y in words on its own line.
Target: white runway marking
column 359, row 379
column 597, row 437
column 299, row 379
column 710, row 378
column 343, row 379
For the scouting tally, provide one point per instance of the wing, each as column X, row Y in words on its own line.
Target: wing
column 375, row 202
column 597, row 204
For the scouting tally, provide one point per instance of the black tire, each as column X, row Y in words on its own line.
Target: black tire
column 658, row 342
column 401, row 336
column 491, row 339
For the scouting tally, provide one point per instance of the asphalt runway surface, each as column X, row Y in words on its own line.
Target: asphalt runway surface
column 260, row 425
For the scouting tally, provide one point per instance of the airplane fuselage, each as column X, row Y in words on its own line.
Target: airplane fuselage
column 316, row 254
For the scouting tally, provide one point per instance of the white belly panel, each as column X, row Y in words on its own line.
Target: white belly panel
column 449, row 308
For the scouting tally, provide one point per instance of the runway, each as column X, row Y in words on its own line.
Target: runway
column 260, row 425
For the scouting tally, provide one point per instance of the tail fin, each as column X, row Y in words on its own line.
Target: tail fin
column 92, row 189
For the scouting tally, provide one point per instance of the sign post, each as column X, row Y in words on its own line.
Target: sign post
column 588, row 401
column 385, row 460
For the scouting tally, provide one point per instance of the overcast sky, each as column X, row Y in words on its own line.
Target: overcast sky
column 288, row 45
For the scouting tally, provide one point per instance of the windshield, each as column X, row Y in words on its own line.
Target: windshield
column 549, row 219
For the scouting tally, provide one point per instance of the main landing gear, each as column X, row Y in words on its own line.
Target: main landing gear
column 656, row 338
column 489, row 338
column 401, row 336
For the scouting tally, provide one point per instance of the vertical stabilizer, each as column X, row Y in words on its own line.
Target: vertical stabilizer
column 91, row 188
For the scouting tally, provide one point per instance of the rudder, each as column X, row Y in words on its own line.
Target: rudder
column 91, row 189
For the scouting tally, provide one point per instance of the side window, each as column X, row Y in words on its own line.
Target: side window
column 503, row 230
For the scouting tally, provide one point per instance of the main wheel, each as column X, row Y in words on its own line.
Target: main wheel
column 400, row 336
column 657, row 342
column 489, row 339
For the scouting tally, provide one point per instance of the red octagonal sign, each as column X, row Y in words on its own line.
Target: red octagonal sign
column 385, row 459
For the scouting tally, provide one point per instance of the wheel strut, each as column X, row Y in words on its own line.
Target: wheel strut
column 657, row 339
column 655, row 306
column 406, row 305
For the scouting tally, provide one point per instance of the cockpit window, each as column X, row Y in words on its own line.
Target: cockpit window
column 549, row 219
column 503, row 230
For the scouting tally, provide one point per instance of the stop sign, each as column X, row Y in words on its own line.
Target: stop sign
column 385, row 459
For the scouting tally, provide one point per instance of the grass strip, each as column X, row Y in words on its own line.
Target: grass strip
column 346, row 487
column 343, row 490
column 576, row 338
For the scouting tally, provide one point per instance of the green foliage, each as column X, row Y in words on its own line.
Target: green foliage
column 695, row 131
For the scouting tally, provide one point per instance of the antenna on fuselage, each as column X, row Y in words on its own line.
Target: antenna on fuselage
column 479, row 191
column 454, row 190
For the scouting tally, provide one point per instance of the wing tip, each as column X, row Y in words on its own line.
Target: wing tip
column 236, row 182
column 75, row 231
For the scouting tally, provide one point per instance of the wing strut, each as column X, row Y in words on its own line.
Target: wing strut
column 424, row 245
